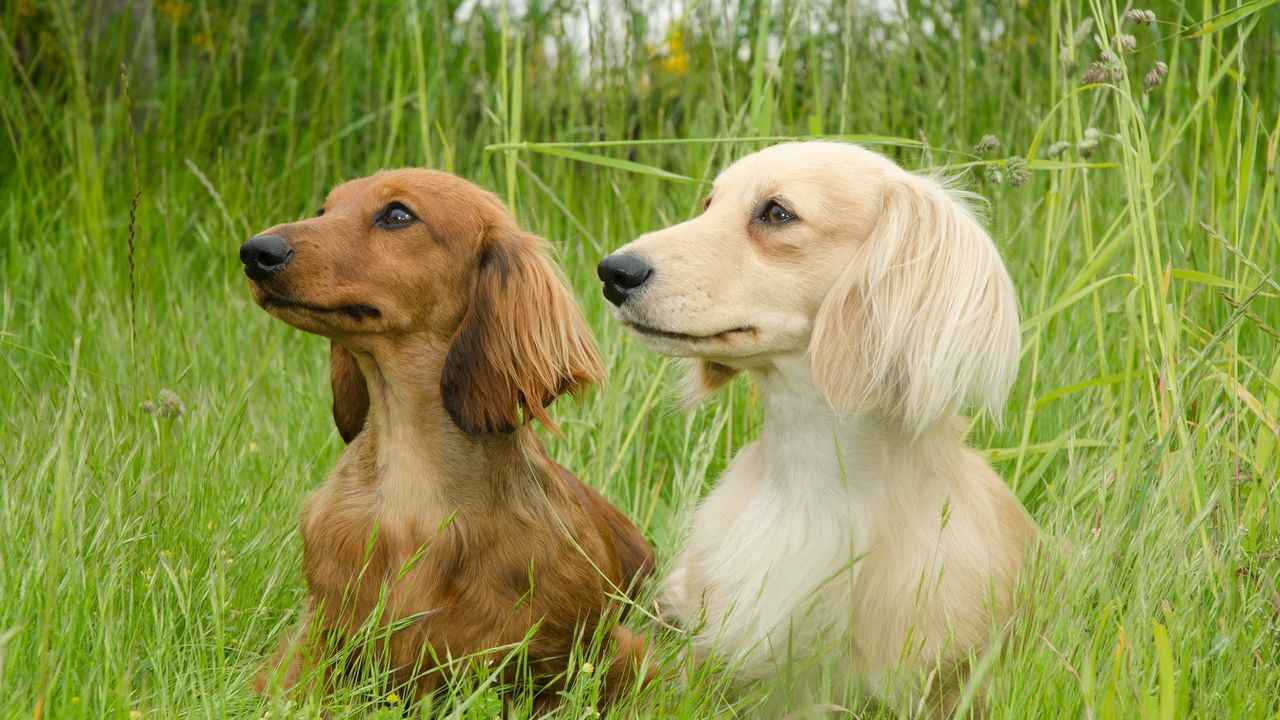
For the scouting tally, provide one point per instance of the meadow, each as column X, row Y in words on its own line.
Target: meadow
column 158, row 431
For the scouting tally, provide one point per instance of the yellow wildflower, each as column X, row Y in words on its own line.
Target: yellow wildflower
column 676, row 60
column 175, row 10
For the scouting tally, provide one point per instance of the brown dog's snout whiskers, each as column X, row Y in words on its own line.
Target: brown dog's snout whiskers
column 264, row 255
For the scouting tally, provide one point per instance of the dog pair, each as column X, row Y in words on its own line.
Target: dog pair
column 867, row 303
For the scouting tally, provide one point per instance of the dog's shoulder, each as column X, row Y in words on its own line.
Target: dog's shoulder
column 635, row 556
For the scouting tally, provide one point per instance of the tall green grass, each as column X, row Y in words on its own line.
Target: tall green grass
column 147, row 563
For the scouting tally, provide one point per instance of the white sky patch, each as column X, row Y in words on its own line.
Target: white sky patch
column 599, row 29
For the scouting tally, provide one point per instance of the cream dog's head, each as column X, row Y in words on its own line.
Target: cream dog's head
column 883, row 277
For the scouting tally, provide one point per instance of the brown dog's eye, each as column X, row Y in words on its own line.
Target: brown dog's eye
column 395, row 215
column 775, row 214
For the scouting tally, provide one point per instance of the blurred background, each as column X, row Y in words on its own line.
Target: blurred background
column 158, row 432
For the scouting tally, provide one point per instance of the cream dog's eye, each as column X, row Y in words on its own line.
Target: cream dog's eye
column 775, row 214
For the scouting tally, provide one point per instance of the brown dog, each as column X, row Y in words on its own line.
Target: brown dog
column 444, row 526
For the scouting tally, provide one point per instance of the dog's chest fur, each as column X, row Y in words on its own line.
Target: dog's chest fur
column 383, row 543
column 819, row 542
column 770, row 541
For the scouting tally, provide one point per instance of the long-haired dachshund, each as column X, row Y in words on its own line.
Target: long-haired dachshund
column 869, row 305
column 445, row 526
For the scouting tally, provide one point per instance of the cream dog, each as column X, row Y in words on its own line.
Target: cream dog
column 869, row 305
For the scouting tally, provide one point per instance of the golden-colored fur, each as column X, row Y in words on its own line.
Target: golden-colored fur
column 444, row 525
column 858, row 534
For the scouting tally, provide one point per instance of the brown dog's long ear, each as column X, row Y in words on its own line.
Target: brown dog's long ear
column 522, row 343
column 350, row 394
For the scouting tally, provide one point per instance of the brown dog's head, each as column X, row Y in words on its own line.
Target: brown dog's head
column 425, row 258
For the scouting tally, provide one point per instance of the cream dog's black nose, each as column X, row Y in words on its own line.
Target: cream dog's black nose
column 264, row 255
column 623, row 274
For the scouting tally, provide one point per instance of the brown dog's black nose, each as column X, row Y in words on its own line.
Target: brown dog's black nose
column 623, row 274
column 264, row 255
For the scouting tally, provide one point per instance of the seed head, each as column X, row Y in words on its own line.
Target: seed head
column 1156, row 75
column 170, row 404
column 1089, row 144
column 1056, row 149
column 1108, row 57
column 1140, row 17
column 1019, row 175
column 992, row 174
column 987, row 144
column 1082, row 31
column 1068, row 59
column 1097, row 72
column 167, row 405
column 1125, row 42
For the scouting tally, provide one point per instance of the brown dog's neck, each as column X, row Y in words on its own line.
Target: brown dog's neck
column 404, row 395
column 418, row 456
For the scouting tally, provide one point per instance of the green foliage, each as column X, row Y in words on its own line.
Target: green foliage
column 148, row 560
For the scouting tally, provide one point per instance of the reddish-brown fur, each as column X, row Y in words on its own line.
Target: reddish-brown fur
column 448, row 335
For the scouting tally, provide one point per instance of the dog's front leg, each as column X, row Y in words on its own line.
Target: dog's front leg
column 625, row 668
column 297, row 664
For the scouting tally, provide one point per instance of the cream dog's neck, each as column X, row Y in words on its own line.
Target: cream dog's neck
column 804, row 439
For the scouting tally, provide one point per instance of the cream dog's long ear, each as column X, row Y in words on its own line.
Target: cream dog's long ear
column 924, row 318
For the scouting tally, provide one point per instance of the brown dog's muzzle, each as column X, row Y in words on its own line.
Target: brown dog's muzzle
column 265, row 255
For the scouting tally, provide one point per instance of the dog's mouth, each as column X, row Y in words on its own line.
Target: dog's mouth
column 687, row 337
column 356, row 311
